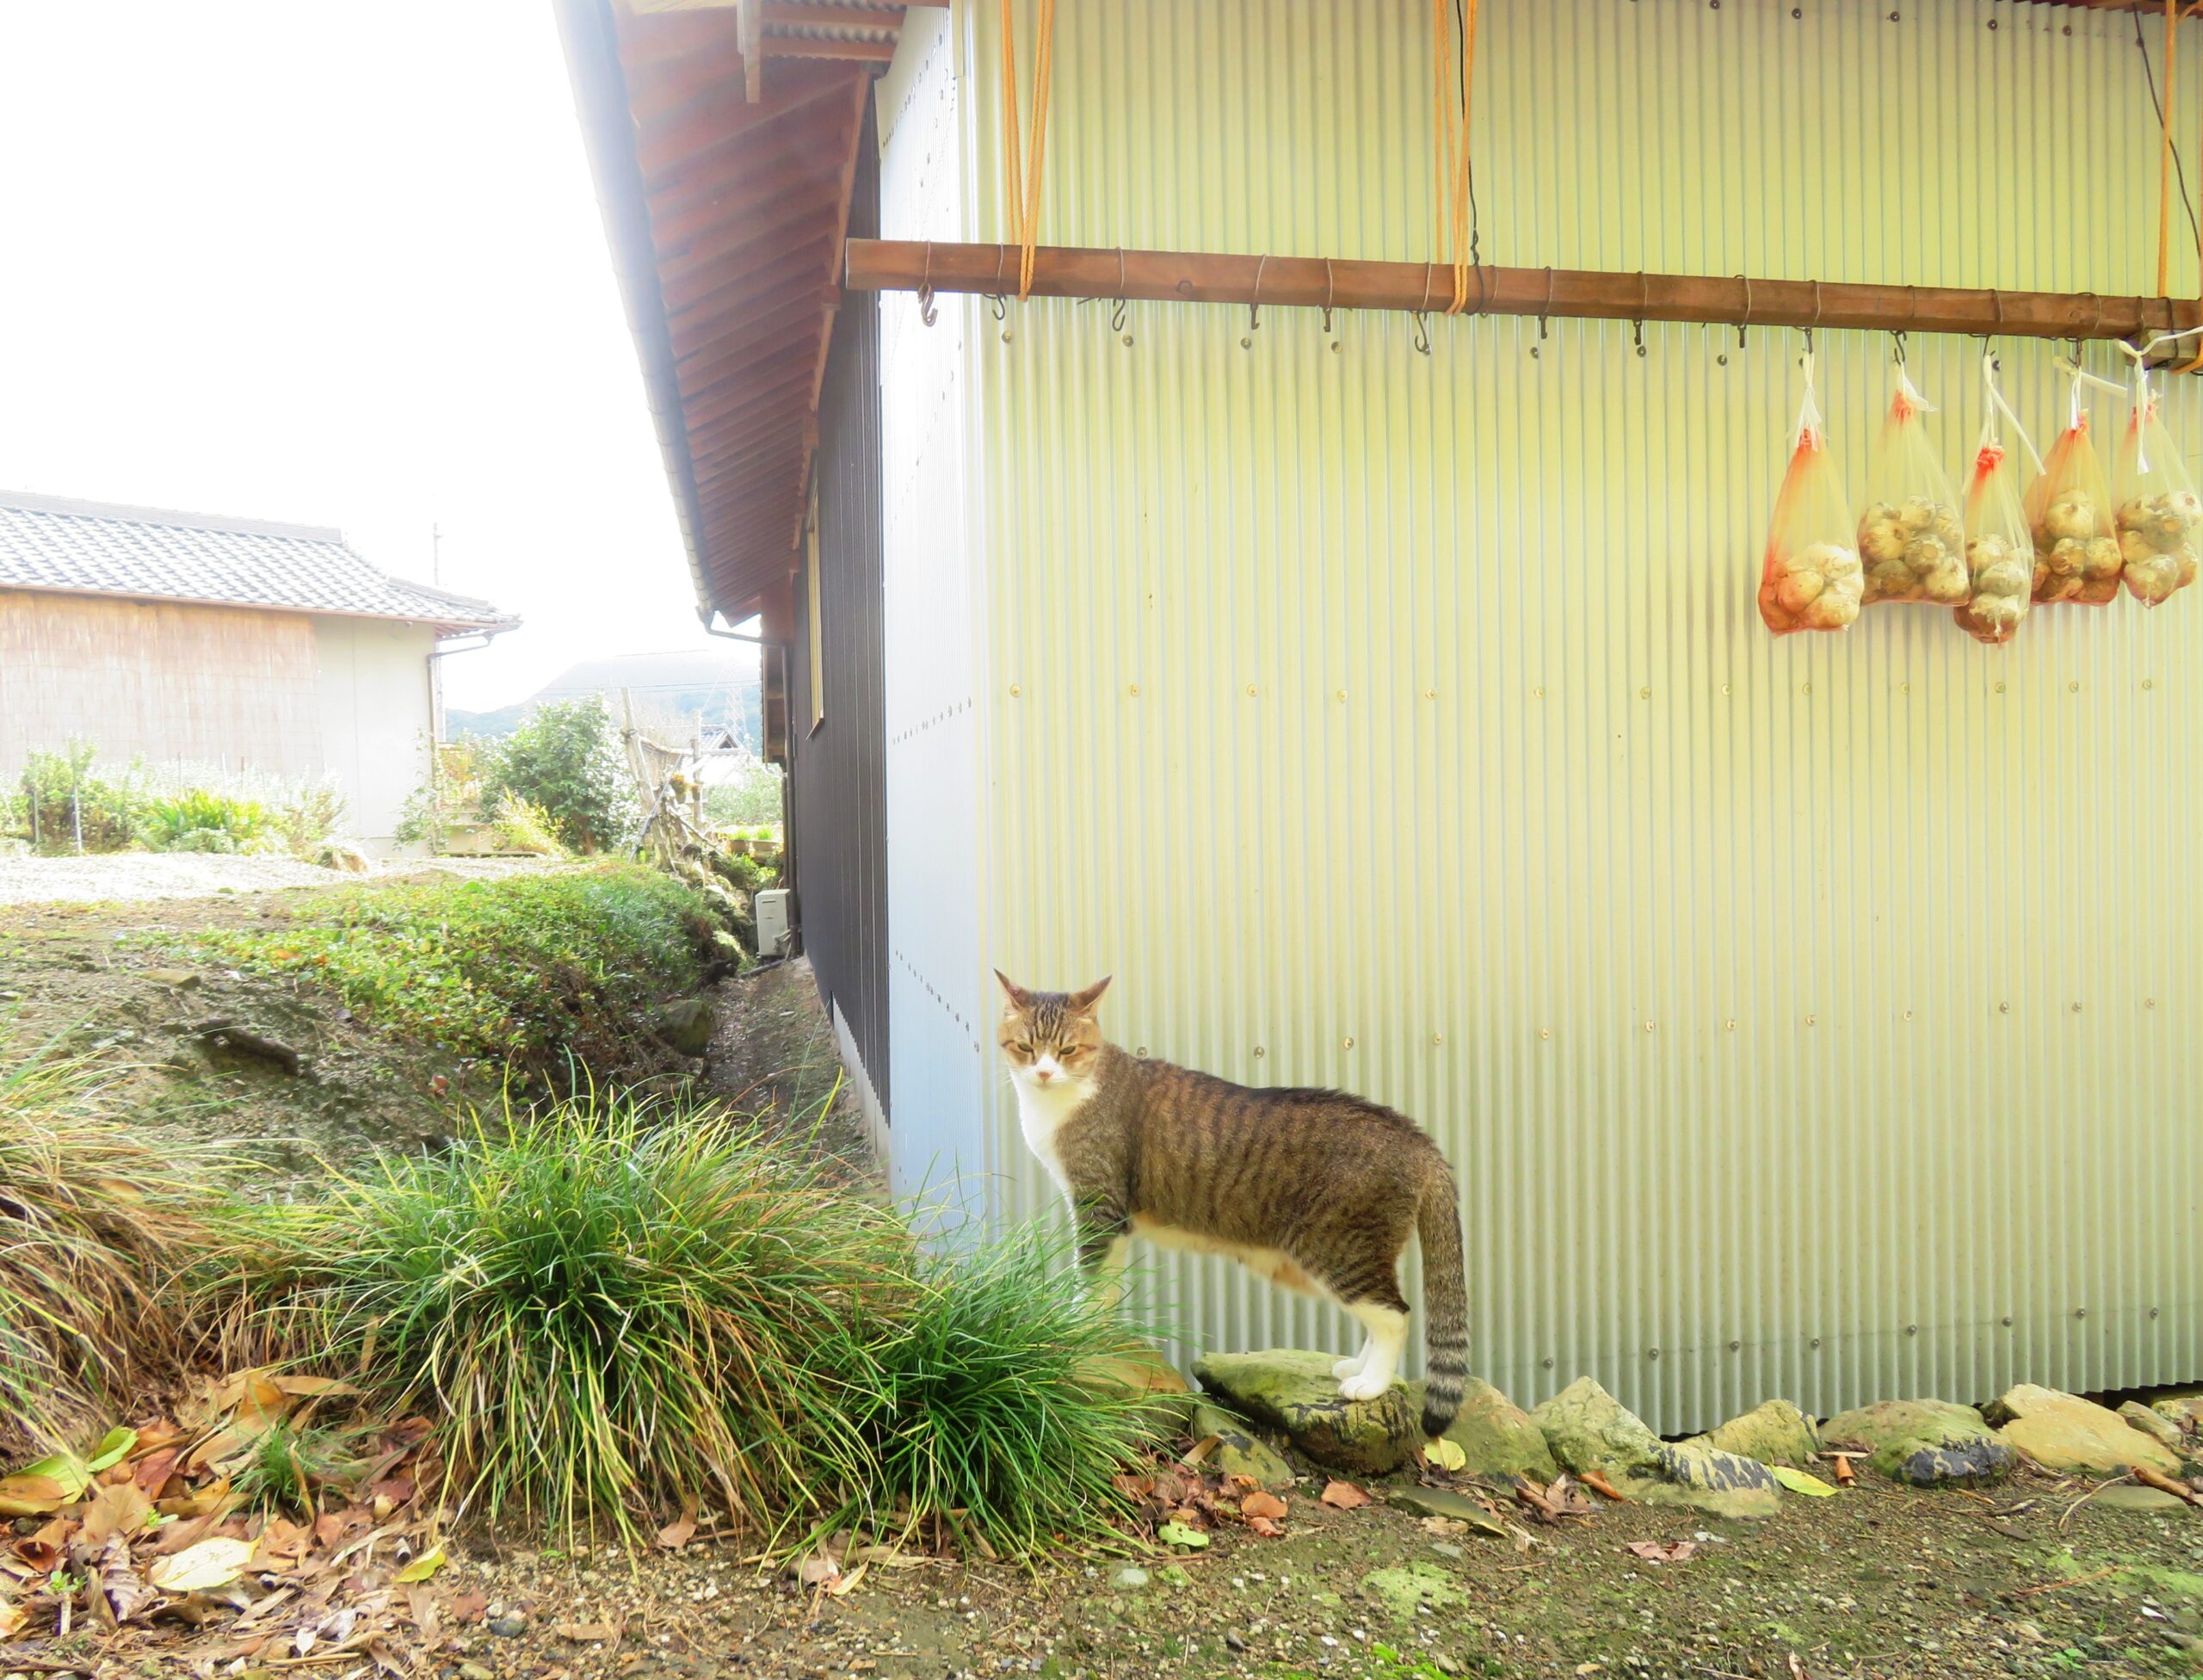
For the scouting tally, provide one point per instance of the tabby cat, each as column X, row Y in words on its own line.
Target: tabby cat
column 1314, row 1189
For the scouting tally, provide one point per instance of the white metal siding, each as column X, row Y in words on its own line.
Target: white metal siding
column 1405, row 723
column 376, row 717
column 935, row 658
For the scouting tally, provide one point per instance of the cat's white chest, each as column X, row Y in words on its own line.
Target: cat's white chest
column 1042, row 1113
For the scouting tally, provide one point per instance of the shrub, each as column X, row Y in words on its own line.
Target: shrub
column 566, row 759
column 980, row 1407
column 615, row 1307
column 93, row 1220
column 531, row 969
column 201, row 820
column 753, row 796
column 526, row 827
column 65, row 807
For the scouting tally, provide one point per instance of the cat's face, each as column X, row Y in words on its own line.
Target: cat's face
column 1052, row 1040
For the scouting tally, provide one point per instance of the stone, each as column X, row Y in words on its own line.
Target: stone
column 2146, row 1501
column 1773, row 1432
column 507, row 1627
column 1238, row 1453
column 2159, row 1428
column 2069, row 1436
column 1293, row 1390
column 1588, row 1430
column 685, row 1024
column 1401, row 1591
column 1172, row 1576
column 1445, row 1502
column 2181, row 1410
column 1130, row 1579
column 1147, row 1374
column 175, row 977
column 1497, row 1438
column 1928, row 1444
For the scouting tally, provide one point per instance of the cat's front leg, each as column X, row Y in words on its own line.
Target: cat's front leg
column 1104, row 1237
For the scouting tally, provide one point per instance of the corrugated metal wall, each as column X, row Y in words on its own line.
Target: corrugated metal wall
column 837, row 771
column 1816, row 1018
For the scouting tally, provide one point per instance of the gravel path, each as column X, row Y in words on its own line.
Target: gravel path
column 132, row 876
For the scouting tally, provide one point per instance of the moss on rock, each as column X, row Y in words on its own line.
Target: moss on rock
column 1293, row 1390
column 1925, row 1443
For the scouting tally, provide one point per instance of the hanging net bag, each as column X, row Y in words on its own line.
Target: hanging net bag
column 1910, row 540
column 2159, row 517
column 1811, row 578
column 1999, row 545
column 2076, row 556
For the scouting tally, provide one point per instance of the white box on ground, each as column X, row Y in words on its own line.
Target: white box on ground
column 773, row 922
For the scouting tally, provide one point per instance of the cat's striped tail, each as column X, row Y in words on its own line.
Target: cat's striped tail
column 1444, row 1301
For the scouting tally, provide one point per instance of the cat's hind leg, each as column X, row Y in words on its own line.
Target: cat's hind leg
column 1387, row 1327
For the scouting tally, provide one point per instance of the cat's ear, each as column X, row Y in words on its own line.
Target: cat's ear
column 1019, row 998
column 1082, row 1002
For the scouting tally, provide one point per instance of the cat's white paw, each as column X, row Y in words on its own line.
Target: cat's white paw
column 1361, row 1386
column 1347, row 1366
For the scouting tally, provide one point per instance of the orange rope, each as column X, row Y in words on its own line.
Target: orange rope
column 1450, row 179
column 2164, row 154
column 1021, row 186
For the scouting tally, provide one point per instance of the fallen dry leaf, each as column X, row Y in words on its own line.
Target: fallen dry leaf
column 1663, row 1551
column 1344, row 1496
column 12, row 1618
column 815, row 1571
column 1200, row 1449
column 679, row 1532
column 1445, row 1455
column 1605, row 1489
column 1444, row 1527
column 201, row 1568
column 469, row 1607
column 119, row 1508
column 1262, row 1504
column 421, row 1568
column 1266, row 1527
column 122, row 1590
column 584, row 1632
column 27, row 1495
column 848, row 1584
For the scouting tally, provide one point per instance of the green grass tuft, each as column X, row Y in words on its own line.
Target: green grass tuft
column 985, row 1406
column 614, row 1309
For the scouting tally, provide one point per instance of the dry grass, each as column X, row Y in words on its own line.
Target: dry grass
column 95, row 1223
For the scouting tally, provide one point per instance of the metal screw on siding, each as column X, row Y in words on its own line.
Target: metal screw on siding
column 1816, row 1341
column 1005, row 334
column 1134, row 690
column 2080, row 1312
column 1430, row 693
column 1538, row 692
column 1648, row 1026
column 2006, row 1321
column 1907, row 1014
column 1346, row 1043
column 2148, row 682
column 1546, row 1362
column 1251, row 691
column 1805, row 688
column 1812, row 1021
column 1729, row 1026
column 2077, row 1009
column 2000, row 688
column 1733, row 1346
column 2149, row 1003
column 1338, row 349
column 1720, row 361
column 1644, row 694
column 1912, row 1330
column 1260, row 1051
column 1014, row 691
column 2153, row 1311
column 1545, row 1032
column 1725, row 688
column 2074, row 687
column 2004, row 1009
column 1438, row 1038
column 1142, row 1051
column 1342, row 695
column 1651, row 1353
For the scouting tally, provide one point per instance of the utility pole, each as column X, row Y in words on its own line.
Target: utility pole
column 436, row 555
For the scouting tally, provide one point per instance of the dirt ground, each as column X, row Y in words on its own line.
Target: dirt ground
column 2035, row 1577
column 1880, row 1581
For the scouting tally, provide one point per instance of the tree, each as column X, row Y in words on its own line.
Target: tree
column 566, row 758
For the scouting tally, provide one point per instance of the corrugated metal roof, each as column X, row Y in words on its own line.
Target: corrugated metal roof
column 726, row 216
column 51, row 543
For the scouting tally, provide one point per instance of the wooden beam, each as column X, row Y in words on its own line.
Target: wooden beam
column 751, row 30
column 794, row 14
column 803, row 47
column 1590, row 294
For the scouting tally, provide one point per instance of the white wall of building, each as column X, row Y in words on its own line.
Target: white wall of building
column 375, row 693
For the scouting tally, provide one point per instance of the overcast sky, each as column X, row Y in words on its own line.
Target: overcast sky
column 338, row 261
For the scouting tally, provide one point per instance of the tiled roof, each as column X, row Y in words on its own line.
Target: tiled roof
column 48, row 542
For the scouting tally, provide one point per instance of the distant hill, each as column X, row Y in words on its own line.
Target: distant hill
column 669, row 691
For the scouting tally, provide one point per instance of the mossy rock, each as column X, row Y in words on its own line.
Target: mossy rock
column 1590, row 1432
column 1773, row 1432
column 1293, row 1391
column 2159, row 1428
column 1237, row 1452
column 1403, row 1591
column 1926, row 1442
column 2065, row 1433
column 1170, row 1401
column 1498, row 1439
